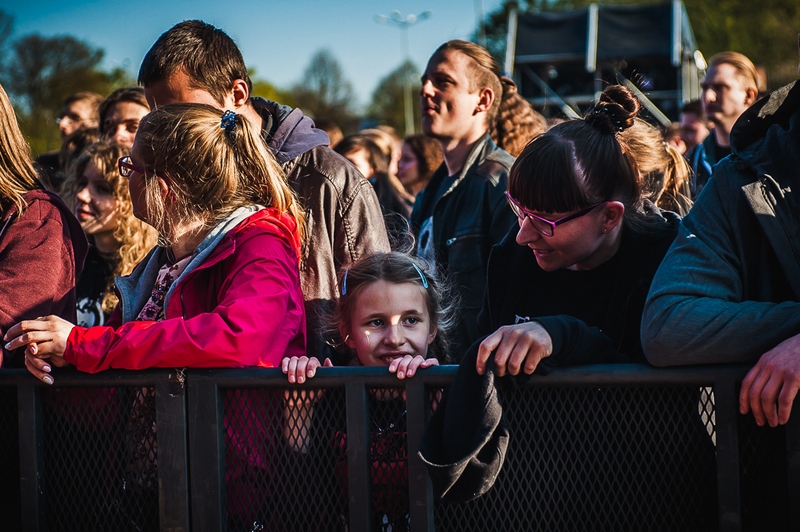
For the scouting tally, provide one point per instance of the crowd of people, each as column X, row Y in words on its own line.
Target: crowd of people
column 188, row 223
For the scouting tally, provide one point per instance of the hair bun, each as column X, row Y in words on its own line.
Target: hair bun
column 615, row 110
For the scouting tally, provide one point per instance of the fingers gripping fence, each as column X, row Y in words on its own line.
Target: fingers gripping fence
column 594, row 448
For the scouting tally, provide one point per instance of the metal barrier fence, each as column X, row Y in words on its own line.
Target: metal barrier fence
column 622, row 447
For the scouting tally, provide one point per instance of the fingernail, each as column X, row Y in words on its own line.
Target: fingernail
column 300, row 379
column 400, row 374
column 47, row 379
column 8, row 345
column 291, row 378
column 46, row 368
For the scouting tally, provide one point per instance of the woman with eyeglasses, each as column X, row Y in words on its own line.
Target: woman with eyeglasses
column 42, row 246
column 222, row 287
column 568, row 285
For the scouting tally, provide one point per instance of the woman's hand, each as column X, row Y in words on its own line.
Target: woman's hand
column 408, row 365
column 297, row 369
column 518, row 348
column 43, row 338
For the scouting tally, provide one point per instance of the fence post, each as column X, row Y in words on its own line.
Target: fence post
column 31, row 457
column 793, row 465
column 206, row 446
column 727, row 412
column 358, row 456
column 420, row 494
column 173, row 472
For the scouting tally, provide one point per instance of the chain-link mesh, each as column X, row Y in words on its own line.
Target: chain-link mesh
column 600, row 459
column 100, row 470
column 9, row 460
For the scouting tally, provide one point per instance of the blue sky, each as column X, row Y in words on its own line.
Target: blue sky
column 277, row 37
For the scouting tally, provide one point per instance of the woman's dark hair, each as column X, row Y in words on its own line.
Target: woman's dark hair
column 428, row 152
column 579, row 163
column 375, row 156
column 125, row 94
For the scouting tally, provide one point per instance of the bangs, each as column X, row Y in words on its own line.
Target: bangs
column 546, row 177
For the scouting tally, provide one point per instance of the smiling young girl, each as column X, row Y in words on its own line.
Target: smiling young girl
column 118, row 240
column 390, row 314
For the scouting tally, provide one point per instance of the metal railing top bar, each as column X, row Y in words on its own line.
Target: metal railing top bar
column 70, row 377
column 602, row 374
column 592, row 375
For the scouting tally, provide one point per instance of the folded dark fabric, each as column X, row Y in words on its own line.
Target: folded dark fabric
column 465, row 442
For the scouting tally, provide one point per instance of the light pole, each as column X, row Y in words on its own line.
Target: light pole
column 405, row 22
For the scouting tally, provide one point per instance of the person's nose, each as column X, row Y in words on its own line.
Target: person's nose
column 527, row 233
column 426, row 91
column 122, row 137
column 709, row 95
column 83, row 195
column 394, row 335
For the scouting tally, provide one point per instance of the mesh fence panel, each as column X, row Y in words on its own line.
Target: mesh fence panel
column 100, row 469
column 763, row 479
column 286, row 460
column 9, row 460
column 280, row 453
column 607, row 459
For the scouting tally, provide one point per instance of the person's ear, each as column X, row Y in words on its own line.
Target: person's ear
column 432, row 334
column 751, row 95
column 485, row 100
column 612, row 215
column 163, row 189
column 240, row 93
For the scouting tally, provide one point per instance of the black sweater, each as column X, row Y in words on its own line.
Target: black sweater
column 592, row 316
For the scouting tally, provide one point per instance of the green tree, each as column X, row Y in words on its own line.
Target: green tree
column 388, row 105
column 265, row 89
column 42, row 71
column 325, row 93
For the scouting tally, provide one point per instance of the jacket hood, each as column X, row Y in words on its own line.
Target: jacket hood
column 288, row 132
column 766, row 136
column 135, row 289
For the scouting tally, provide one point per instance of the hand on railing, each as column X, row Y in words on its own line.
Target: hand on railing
column 300, row 403
column 769, row 389
column 519, row 348
column 46, row 341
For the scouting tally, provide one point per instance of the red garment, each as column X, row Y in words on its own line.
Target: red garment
column 41, row 255
column 241, row 307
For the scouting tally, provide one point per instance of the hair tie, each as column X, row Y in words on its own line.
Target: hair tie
column 228, row 122
column 612, row 115
column 344, row 281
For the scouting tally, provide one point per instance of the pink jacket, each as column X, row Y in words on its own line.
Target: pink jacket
column 242, row 306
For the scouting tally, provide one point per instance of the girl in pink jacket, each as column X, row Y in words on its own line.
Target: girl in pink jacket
column 222, row 287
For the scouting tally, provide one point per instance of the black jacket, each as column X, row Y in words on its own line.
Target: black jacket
column 592, row 316
column 344, row 221
column 469, row 219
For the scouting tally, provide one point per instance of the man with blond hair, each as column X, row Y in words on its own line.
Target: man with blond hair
column 729, row 88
